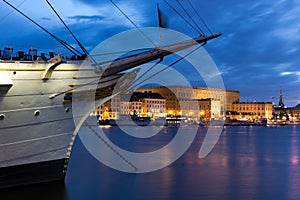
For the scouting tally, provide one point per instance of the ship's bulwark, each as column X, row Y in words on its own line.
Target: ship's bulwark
column 35, row 130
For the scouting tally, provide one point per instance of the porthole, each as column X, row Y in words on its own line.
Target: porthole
column 37, row 113
column 2, row 116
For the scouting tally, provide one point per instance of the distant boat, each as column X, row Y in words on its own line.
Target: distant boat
column 262, row 122
column 130, row 120
column 277, row 122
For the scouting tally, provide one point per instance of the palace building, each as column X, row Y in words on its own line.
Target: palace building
column 179, row 98
column 202, row 109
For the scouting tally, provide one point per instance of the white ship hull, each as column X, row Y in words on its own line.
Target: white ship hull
column 35, row 130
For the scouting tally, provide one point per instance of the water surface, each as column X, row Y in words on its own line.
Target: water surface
column 247, row 163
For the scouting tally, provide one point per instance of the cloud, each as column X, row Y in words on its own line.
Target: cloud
column 296, row 74
column 46, row 18
column 112, row 17
column 290, row 33
column 81, row 18
column 285, row 73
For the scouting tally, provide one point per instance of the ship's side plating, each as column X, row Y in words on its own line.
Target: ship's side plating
column 35, row 130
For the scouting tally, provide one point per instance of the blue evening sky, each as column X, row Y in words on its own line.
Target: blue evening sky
column 257, row 54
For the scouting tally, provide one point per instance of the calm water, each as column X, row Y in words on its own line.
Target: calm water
column 246, row 163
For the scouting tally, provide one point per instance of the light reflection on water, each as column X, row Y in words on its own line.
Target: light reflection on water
column 294, row 175
column 246, row 163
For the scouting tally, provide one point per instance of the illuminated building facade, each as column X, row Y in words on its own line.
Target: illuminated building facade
column 294, row 112
column 110, row 109
column 201, row 109
column 146, row 104
column 251, row 110
column 180, row 100
column 194, row 102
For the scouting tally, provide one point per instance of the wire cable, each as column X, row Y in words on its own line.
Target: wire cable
column 193, row 27
column 119, row 52
column 199, row 17
column 133, row 23
column 111, row 147
column 147, row 71
column 12, row 11
column 200, row 30
column 75, row 38
column 69, row 47
column 168, row 66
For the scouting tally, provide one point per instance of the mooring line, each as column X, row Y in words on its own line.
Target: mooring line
column 109, row 146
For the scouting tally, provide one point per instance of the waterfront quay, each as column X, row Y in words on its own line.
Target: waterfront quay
column 195, row 105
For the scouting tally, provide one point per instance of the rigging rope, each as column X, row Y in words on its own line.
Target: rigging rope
column 133, row 23
column 168, row 66
column 186, row 12
column 120, row 57
column 119, row 52
column 12, row 11
column 111, row 147
column 147, row 71
column 75, row 38
column 193, row 27
column 200, row 17
column 69, row 47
